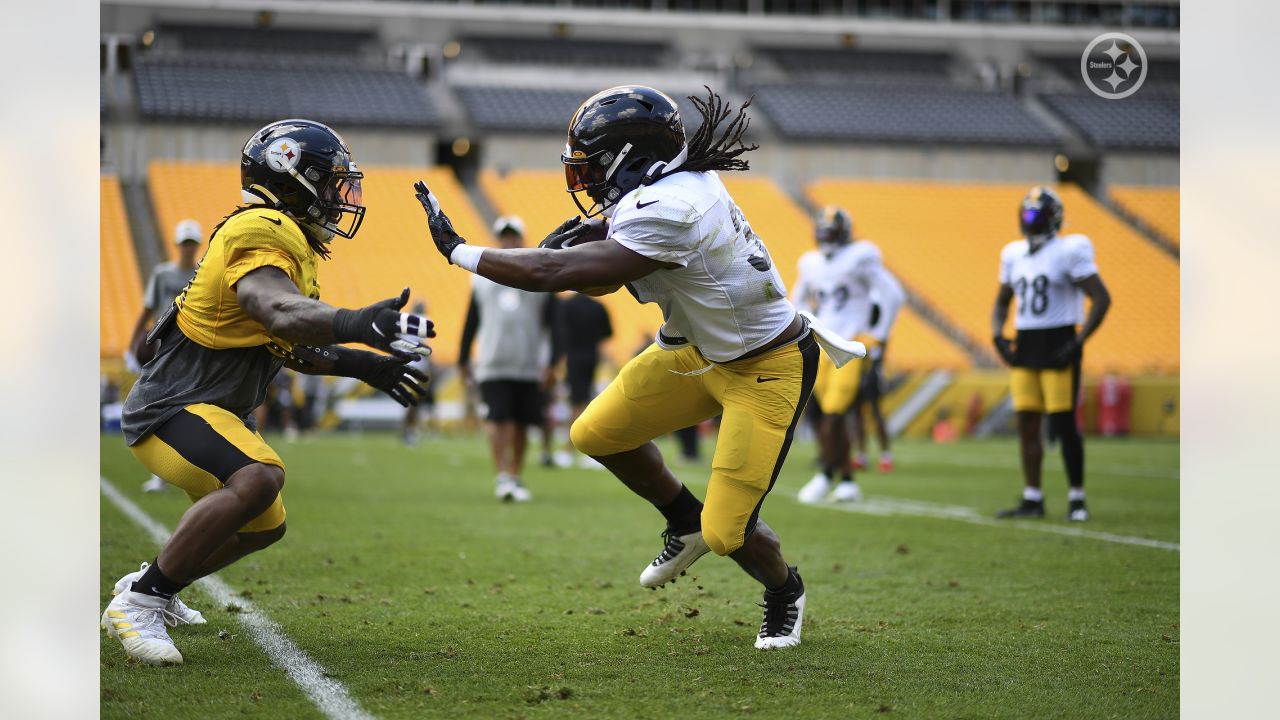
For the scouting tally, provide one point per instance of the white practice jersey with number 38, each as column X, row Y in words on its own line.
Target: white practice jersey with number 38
column 1043, row 281
column 725, row 296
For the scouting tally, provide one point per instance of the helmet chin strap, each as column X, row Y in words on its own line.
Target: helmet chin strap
column 660, row 169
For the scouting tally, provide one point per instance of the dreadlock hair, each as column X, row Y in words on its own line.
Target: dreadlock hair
column 708, row 152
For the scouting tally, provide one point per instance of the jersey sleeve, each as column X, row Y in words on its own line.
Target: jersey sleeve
column 258, row 242
column 665, row 232
column 890, row 296
column 1080, row 262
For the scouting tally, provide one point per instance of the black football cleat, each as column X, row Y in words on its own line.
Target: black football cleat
column 1076, row 511
column 1025, row 509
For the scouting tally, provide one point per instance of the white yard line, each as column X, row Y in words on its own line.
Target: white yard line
column 328, row 695
column 919, row 508
column 1120, row 469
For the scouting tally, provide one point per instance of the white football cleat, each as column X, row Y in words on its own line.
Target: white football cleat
column 781, row 625
column 677, row 555
column 562, row 459
column 847, row 492
column 815, row 491
column 141, row 624
column 180, row 610
column 510, row 489
column 586, row 462
column 154, row 484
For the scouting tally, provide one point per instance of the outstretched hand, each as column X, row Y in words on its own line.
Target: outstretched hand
column 442, row 232
column 382, row 326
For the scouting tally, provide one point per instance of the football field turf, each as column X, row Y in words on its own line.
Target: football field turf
column 414, row 588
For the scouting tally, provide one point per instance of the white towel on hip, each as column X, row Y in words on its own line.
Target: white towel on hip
column 840, row 350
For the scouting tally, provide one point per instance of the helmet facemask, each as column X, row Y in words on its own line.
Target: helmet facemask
column 1039, row 221
column 604, row 176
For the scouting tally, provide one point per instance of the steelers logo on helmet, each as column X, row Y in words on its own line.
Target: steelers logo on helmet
column 283, row 154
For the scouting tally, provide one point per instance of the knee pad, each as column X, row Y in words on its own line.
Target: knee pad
column 721, row 540
column 587, row 441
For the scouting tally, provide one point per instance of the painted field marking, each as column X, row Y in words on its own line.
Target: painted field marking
column 960, row 513
column 328, row 695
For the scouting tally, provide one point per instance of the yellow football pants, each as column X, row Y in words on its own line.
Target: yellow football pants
column 760, row 399
column 201, row 447
column 1044, row 391
column 836, row 387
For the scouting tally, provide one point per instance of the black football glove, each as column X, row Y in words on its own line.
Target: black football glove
column 382, row 326
column 394, row 376
column 565, row 234
column 1067, row 354
column 1004, row 348
column 442, row 232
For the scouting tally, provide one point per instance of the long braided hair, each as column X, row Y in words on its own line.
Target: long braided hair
column 708, row 152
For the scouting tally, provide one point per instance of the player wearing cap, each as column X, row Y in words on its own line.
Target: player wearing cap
column 517, row 350
column 1050, row 274
column 166, row 281
column 838, row 279
column 731, row 343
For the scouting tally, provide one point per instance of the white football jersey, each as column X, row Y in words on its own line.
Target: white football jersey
column 841, row 288
column 1043, row 281
column 725, row 297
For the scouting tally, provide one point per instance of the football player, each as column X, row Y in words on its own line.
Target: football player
column 838, row 280
column 731, row 342
column 251, row 308
column 1050, row 274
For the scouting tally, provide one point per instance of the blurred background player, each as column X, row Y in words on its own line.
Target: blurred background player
column 884, row 311
column 411, row 430
column 730, row 342
column 837, row 280
column 166, row 281
column 1050, row 275
column 583, row 324
column 514, row 329
column 252, row 308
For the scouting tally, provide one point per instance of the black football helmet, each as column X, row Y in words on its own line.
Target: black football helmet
column 619, row 139
column 304, row 169
column 1040, row 215
column 834, row 228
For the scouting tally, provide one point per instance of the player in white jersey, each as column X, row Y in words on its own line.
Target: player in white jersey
column 1050, row 274
column 731, row 344
column 838, row 280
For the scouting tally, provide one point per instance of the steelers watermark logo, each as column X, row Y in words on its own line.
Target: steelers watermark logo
column 283, row 154
column 1114, row 65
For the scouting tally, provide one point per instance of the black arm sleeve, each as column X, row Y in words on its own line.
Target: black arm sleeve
column 469, row 329
column 550, row 311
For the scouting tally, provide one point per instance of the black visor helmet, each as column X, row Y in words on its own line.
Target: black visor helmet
column 304, row 169
column 834, row 228
column 1040, row 216
column 619, row 139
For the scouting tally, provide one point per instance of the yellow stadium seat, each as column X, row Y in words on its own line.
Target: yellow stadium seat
column 944, row 241
column 392, row 250
column 120, row 292
column 1157, row 206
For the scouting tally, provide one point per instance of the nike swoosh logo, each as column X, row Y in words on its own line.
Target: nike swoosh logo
column 264, row 217
column 641, row 206
column 765, row 379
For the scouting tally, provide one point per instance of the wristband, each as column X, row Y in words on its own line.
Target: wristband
column 466, row 257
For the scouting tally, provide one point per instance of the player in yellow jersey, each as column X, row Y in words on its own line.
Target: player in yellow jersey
column 251, row 308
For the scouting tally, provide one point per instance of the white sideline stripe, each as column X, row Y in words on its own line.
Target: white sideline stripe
column 918, row 508
column 328, row 695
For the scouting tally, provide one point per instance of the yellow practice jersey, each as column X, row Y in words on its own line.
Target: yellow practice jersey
column 208, row 311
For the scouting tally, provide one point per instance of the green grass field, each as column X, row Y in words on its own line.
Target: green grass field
column 411, row 585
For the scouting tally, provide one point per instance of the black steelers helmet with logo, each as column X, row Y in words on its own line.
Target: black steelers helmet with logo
column 1040, row 215
column 834, row 227
column 304, row 169
column 619, row 139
